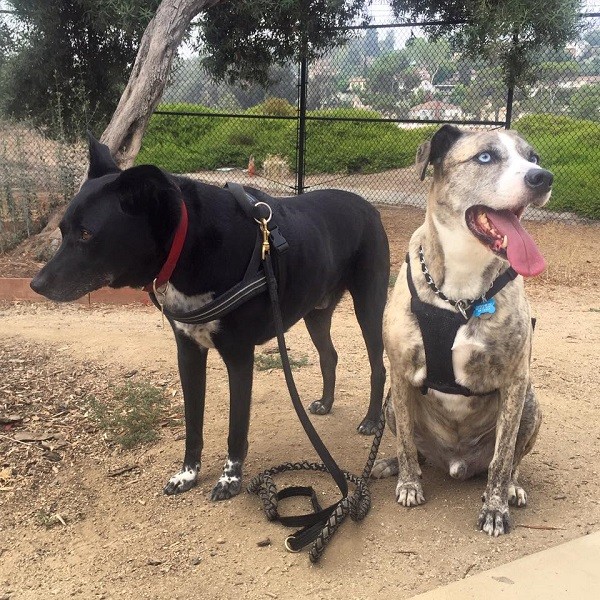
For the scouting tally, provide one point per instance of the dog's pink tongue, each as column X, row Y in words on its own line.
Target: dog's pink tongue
column 523, row 255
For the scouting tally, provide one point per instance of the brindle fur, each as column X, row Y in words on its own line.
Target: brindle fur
column 465, row 435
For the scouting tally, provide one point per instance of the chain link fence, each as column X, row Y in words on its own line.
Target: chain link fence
column 352, row 119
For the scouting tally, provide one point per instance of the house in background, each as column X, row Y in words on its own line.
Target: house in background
column 436, row 110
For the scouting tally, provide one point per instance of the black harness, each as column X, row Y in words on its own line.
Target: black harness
column 254, row 281
column 439, row 327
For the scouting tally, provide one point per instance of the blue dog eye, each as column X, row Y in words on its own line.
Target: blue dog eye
column 484, row 157
column 535, row 159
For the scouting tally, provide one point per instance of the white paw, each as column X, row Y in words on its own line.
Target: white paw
column 517, row 496
column 410, row 493
column 182, row 481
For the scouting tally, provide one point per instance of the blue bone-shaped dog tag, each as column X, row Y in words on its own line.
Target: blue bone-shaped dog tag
column 482, row 308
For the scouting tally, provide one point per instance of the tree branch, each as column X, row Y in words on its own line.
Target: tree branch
column 149, row 75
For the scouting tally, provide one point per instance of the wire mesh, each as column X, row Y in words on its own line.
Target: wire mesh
column 369, row 104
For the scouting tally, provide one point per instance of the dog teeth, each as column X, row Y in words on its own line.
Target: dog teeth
column 505, row 242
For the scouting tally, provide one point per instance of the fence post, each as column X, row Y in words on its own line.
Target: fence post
column 301, row 132
column 509, row 106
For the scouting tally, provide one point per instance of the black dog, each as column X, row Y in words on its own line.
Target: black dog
column 118, row 231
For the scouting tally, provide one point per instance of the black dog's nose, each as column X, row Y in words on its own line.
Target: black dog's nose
column 539, row 179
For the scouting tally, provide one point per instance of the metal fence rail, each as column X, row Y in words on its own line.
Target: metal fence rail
column 352, row 119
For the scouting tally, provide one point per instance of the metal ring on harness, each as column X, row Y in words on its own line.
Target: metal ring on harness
column 259, row 221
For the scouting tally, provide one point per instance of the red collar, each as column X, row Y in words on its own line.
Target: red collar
column 176, row 246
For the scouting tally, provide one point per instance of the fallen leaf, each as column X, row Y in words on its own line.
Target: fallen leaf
column 29, row 436
column 8, row 419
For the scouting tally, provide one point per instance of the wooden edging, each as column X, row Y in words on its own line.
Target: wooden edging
column 17, row 288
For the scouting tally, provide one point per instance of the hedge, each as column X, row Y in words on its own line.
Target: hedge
column 181, row 144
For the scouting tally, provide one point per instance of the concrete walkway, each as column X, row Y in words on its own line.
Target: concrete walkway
column 570, row 571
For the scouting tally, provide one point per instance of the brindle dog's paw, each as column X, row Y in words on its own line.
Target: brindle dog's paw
column 183, row 481
column 230, row 483
column 517, row 496
column 368, row 426
column 409, row 493
column 319, row 407
column 385, row 467
column 494, row 521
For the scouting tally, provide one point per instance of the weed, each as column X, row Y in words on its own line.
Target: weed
column 131, row 417
column 48, row 520
column 265, row 362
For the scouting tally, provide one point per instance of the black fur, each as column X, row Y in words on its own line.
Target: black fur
column 118, row 229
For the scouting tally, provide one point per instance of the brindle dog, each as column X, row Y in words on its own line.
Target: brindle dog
column 482, row 183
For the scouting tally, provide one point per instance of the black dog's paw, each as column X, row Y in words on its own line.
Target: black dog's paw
column 368, row 426
column 493, row 521
column 183, row 481
column 319, row 407
column 230, row 483
column 224, row 490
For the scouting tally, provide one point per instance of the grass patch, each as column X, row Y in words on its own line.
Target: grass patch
column 132, row 416
column 266, row 362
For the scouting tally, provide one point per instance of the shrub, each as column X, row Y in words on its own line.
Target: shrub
column 332, row 146
column 569, row 147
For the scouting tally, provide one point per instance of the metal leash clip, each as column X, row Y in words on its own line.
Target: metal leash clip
column 461, row 306
column 265, row 232
column 162, row 305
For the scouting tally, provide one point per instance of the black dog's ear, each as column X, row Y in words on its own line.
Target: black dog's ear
column 101, row 161
column 433, row 151
column 141, row 187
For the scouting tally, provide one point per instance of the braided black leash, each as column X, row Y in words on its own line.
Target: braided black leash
column 357, row 505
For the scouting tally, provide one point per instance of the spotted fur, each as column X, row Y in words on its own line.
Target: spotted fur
column 464, row 435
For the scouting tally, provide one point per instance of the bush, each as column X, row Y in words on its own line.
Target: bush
column 188, row 144
column 171, row 141
column 353, row 147
column 570, row 148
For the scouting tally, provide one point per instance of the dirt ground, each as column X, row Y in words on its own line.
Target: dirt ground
column 81, row 518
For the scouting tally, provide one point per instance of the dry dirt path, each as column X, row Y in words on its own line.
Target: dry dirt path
column 124, row 538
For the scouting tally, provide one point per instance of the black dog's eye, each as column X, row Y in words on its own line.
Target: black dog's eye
column 484, row 157
column 534, row 158
column 85, row 235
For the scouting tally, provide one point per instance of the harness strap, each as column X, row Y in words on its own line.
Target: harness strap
column 254, row 281
column 439, row 327
column 258, row 211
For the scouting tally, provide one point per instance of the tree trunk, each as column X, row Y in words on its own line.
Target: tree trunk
column 148, row 78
